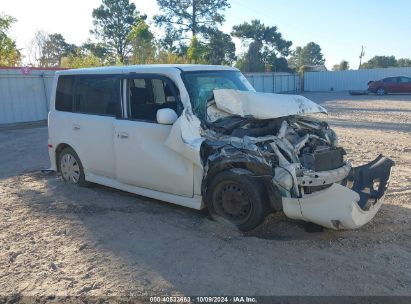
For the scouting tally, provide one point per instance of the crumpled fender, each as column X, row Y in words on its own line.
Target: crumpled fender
column 185, row 137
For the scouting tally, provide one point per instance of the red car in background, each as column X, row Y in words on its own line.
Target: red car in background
column 399, row 84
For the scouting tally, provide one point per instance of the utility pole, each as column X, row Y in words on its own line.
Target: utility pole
column 361, row 56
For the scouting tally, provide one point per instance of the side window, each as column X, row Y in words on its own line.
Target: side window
column 147, row 96
column 64, row 93
column 390, row 80
column 404, row 79
column 97, row 95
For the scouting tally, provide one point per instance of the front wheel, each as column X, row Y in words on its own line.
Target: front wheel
column 71, row 168
column 381, row 91
column 236, row 199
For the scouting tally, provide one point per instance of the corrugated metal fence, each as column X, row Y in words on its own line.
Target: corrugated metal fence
column 348, row 80
column 24, row 94
column 274, row 82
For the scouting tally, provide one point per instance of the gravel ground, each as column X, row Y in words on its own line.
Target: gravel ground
column 57, row 239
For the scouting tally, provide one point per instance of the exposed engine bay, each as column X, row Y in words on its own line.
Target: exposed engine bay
column 294, row 149
column 272, row 138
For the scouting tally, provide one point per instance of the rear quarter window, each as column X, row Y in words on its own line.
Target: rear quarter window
column 64, row 93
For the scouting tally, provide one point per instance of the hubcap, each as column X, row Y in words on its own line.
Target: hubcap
column 233, row 203
column 380, row 92
column 70, row 169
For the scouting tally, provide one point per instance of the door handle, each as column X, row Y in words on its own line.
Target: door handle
column 76, row 127
column 122, row 135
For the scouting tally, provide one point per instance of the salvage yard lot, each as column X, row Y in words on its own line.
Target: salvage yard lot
column 58, row 239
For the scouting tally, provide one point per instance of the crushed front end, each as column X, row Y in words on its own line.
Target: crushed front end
column 300, row 162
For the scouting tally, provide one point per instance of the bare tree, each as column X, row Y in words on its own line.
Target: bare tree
column 35, row 48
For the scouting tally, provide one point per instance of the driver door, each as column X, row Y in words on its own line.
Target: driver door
column 405, row 83
column 142, row 158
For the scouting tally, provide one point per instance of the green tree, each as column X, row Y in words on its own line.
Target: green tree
column 220, row 48
column 265, row 45
column 167, row 57
column 80, row 59
column 9, row 54
column 342, row 66
column 55, row 47
column 380, row 62
column 274, row 63
column 98, row 50
column 252, row 59
column 195, row 17
column 308, row 55
column 142, row 43
column 113, row 21
column 404, row 62
column 196, row 51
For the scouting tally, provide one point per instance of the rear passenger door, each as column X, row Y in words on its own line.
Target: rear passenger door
column 142, row 158
column 97, row 101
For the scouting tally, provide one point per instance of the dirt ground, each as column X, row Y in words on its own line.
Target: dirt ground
column 57, row 239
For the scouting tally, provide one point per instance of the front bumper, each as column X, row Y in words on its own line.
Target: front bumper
column 348, row 205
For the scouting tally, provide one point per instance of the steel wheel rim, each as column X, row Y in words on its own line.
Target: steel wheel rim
column 233, row 203
column 70, row 169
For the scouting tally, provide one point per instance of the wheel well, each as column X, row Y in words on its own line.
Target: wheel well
column 271, row 193
column 60, row 148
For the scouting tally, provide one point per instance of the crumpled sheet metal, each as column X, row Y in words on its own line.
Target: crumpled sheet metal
column 185, row 137
column 264, row 105
column 187, row 134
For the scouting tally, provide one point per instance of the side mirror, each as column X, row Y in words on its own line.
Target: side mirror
column 166, row 116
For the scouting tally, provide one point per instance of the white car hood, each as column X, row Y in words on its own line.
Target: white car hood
column 264, row 105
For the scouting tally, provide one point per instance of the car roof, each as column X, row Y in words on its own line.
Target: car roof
column 146, row 68
column 396, row 77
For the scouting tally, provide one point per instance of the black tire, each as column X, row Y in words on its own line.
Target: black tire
column 236, row 199
column 381, row 91
column 79, row 170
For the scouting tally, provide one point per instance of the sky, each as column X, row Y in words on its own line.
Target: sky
column 339, row 27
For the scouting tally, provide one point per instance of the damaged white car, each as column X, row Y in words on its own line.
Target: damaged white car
column 200, row 136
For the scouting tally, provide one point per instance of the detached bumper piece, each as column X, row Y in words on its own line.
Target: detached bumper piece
column 348, row 205
column 370, row 181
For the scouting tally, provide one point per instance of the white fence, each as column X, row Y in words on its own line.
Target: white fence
column 274, row 82
column 348, row 80
column 24, row 94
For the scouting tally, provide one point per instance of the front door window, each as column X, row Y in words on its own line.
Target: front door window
column 146, row 96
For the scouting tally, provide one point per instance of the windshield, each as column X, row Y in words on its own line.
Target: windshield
column 200, row 86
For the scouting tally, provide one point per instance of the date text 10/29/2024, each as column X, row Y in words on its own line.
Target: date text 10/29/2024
column 183, row 299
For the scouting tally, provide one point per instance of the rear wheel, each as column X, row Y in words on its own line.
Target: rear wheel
column 71, row 168
column 381, row 91
column 236, row 199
